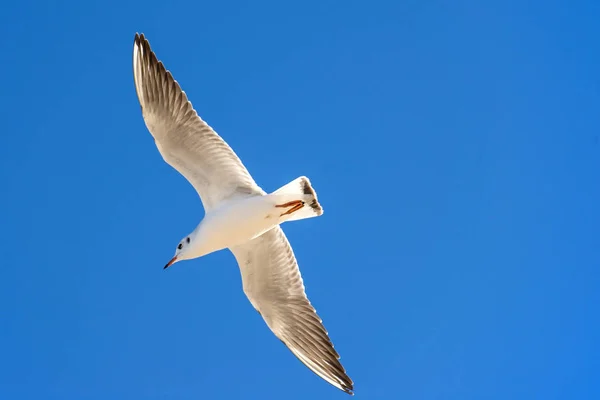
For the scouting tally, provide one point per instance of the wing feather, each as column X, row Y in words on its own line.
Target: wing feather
column 272, row 282
column 185, row 141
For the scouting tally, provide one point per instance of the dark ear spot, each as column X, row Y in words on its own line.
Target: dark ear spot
column 187, row 239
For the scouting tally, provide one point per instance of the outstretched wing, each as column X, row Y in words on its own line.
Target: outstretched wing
column 184, row 140
column 273, row 284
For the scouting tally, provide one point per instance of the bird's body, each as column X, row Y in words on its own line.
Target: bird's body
column 235, row 222
column 240, row 219
column 240, row 216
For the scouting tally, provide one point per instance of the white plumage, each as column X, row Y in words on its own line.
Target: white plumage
column 239, row 216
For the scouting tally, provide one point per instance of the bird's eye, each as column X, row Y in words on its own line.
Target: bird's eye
column 187, row 239
column 180, row 246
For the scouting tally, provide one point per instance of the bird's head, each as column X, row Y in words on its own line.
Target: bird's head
column 180, row 252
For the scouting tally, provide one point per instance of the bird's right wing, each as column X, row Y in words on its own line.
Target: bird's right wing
column 184, row 140
column 273, row 284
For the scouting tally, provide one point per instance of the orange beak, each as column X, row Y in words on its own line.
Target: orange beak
column 171, row 262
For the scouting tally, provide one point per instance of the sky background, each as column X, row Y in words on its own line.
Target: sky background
column 454, row 146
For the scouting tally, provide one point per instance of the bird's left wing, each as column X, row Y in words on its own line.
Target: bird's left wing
column 185, row 141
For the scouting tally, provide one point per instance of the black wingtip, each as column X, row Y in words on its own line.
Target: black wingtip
column 139, row 39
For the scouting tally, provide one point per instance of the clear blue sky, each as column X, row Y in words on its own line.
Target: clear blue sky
column 454, row 146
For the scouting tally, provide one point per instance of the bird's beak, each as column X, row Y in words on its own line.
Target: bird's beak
column 173, row 260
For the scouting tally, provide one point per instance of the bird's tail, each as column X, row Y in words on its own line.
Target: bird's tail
column 298, row 199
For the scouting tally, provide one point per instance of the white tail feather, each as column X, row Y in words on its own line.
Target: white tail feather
column 300, row 189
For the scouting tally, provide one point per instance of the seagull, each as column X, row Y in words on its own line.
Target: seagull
column 239, row 216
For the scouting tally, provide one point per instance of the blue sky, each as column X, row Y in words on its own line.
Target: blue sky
column 454, row 146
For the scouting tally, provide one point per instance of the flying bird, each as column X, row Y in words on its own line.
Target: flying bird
column 239, row 216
